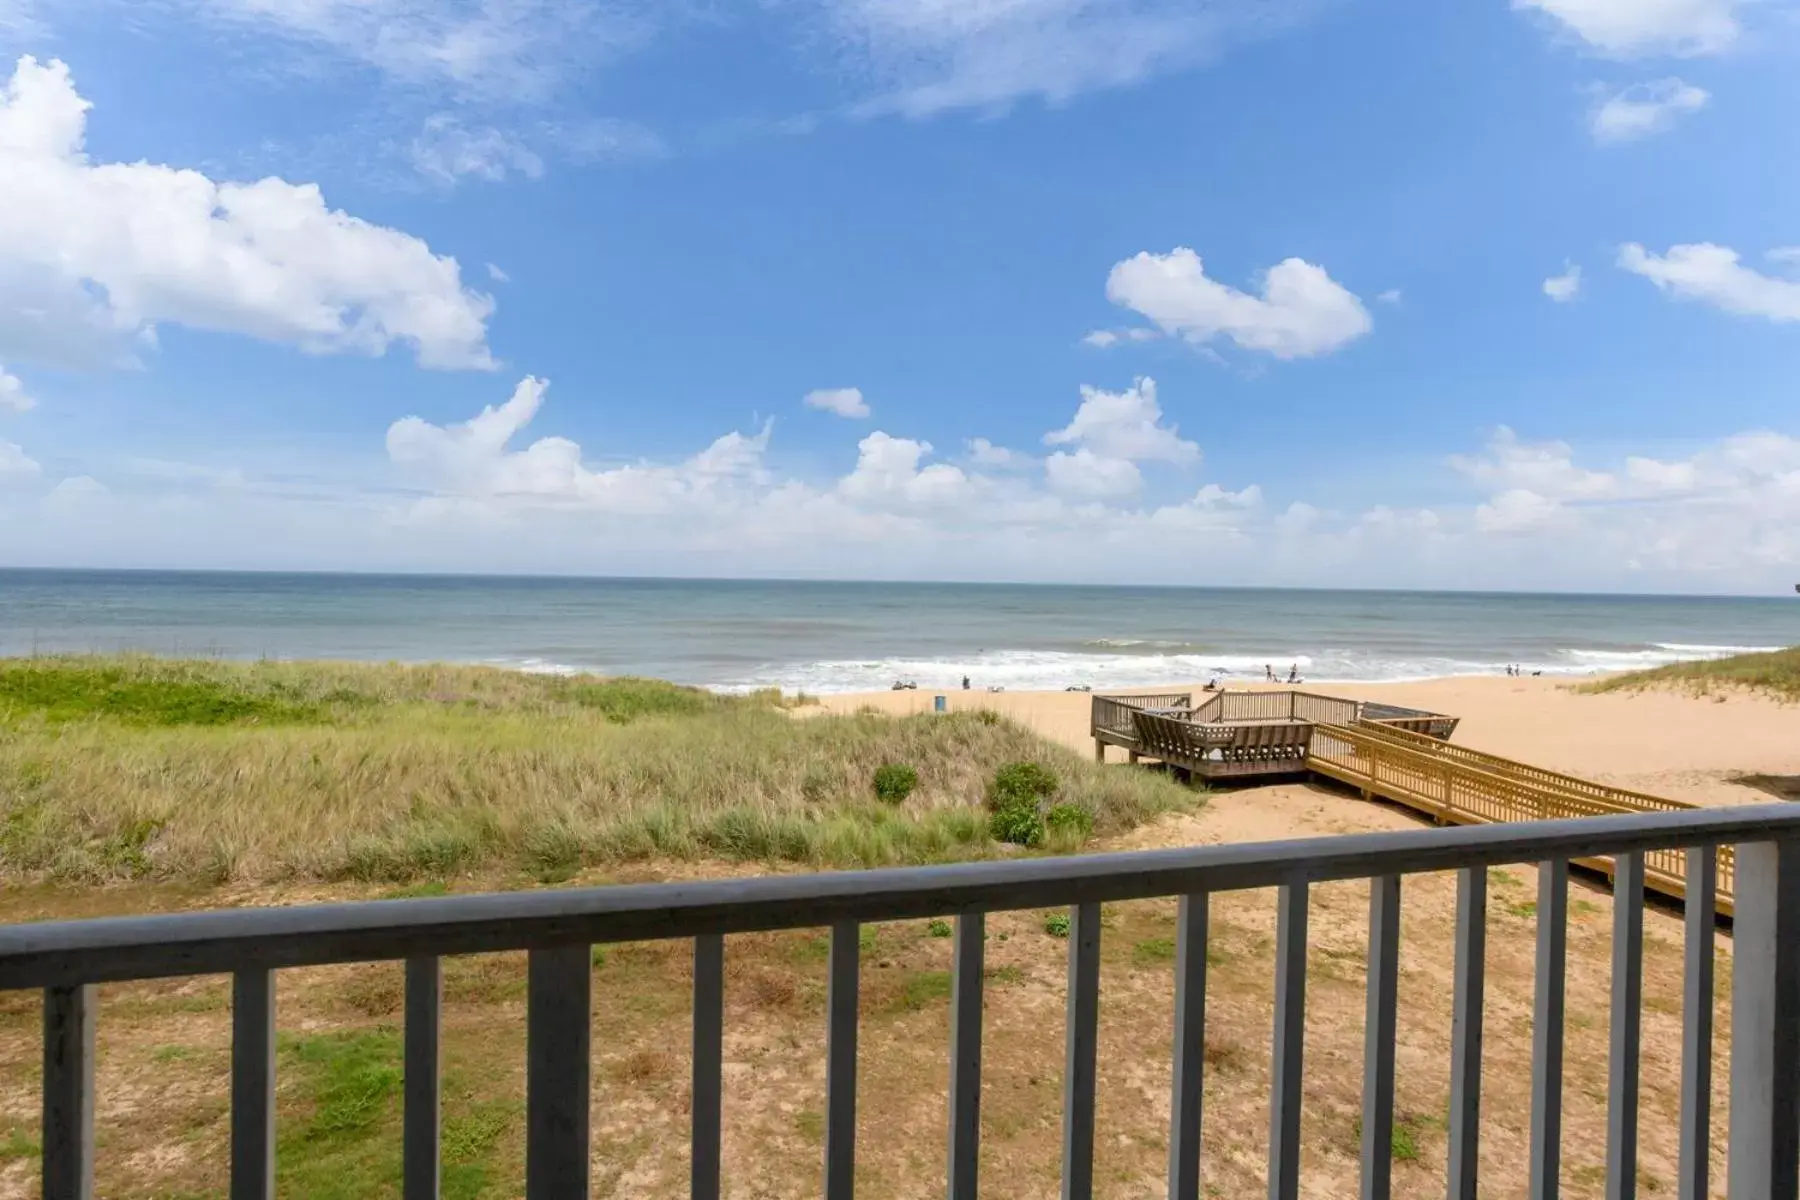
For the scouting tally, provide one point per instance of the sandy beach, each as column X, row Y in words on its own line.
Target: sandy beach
column 1686, row 747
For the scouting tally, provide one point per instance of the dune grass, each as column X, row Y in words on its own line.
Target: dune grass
column 205, row 772
column 1776, row 672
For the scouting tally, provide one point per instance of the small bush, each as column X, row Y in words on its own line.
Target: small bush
column 1020, row 782
column 1071, row 819
column 1057, row 924
column 1018, row 823
column 939, row 928
column 894, row 782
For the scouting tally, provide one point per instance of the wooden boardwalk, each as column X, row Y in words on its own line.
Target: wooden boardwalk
column 1456, row 785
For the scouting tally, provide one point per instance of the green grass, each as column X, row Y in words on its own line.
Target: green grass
column 344, row 1145
column 16, row 1144
column 1776, row 672
column 1153, row 952
column 205, row 772
column 923, row 989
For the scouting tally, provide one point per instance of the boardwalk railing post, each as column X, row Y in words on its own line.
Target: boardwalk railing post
column 1465, row 1032
column 253, row 1085
column 1378, row 1033
column 1694, row 1168
column 1190, row 1047
column 840, row 1060
column 1765, row 1023
column 1289, row 1045
column 68, row 1134
column 420, row 1137
column 966, row 983
column 558, row 1048
column 1079, row 1058
column 707, row 1101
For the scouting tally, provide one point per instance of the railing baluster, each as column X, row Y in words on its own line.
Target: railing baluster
column 1694, row 1170
column 1079, row 1059
column 1547, row 1028
column 1465, row 1032
column 840, row 1062
column 1187, row 1091
column 966, row 986
column 1287, row 1055
column 68, row 1133
column 1378, row 1048
column 253, row 1085
column 706, row 1104
column 1764, row 1155
column 558, row 1051
column 420, row 1138
column 1627, row 1018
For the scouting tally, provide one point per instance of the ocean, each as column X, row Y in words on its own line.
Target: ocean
column 836, row 637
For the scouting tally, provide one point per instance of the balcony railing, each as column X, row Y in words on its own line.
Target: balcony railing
column 557, row 929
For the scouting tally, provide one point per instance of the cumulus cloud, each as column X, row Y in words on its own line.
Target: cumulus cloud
column 984, row 453
column 1544, row 467
column 93, row 256
column 1644, row 109
column 14, row 464
column 928, row 56
column 1300, row 310
column 1125, row 425
column 1714, row 275
column 1565, row 287
column 889, row 469
column 845, row 402
column 473, row 460
column 13, row 395
column 1085, row 473
column 1632, row 28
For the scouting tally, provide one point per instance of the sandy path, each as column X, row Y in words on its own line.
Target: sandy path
column 1667, row 743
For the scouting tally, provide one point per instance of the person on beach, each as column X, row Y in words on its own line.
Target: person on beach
column 965, row 683
column 1268, row 673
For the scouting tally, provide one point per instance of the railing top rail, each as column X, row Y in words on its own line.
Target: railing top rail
column 122, row 948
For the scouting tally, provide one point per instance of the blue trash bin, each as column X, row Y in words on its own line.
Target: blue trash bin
column 937, row 704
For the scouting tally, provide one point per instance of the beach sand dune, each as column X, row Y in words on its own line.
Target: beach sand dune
column 1702, row 749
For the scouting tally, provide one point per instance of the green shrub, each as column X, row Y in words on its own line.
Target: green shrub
column 1017, row 822
column 1020, row 782
column 894, row 782
column 938, row 927
column 1071, row 819
column 1057, row 924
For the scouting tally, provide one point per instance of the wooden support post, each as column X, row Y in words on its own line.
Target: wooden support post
column 1131, row 756
column 1099, row 751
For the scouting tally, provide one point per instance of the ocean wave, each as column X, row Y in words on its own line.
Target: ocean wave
column 1033, row 670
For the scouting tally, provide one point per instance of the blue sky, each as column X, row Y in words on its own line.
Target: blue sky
column 1255, row 291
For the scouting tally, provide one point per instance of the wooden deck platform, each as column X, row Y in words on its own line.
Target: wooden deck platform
column 1236, row 734
column 1397, row 754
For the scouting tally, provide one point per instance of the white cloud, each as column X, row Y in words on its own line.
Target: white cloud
column 927, row 56
column 1085, row 473
column 1105, row 339
column 1714, row 275
column 845, row 402
column 1644, row 109
column 1391, row 296
column 13, row 394
column 14, row 463
column 1125, row 425
column 472, row 461
column 94, row 255
column 497, row 275
column 1300, row 312
column 514, row 50
column 446, row 151
column 1547, row 468
column 1631, row 28
column 1565, row 287
column 888, row 471
column 1515, row 510
column 984, row 453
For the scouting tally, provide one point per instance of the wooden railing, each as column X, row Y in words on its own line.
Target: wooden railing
column 1456, row 785
column 1112, row 713
column 68, row 961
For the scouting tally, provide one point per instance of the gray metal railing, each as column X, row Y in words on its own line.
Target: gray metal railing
column 557, row 929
